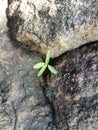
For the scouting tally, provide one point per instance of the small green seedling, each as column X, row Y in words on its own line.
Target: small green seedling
column 43, row 65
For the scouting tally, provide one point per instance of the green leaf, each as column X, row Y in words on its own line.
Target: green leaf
column 38, row 65
column 47, row 57
column 52, row 69
column 42, row 70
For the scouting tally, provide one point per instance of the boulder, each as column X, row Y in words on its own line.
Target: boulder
column 74, row 90
column 68, row 100
column 23, row 105
column 55, row 25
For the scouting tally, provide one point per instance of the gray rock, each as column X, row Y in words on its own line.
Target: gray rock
column 22, row 102
column 70, row 102
column 3, row 20
column 74, row 91
column 55, row 25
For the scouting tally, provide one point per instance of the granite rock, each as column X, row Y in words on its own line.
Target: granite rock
column 66, row 101
column 23, row 105
column 55, row 25
column 74, row 90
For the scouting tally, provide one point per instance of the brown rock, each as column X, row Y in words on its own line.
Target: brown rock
column 55, row 25
column 74, row 90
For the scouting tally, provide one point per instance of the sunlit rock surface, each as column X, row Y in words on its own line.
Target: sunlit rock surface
column 3, row 20
column 55, row 25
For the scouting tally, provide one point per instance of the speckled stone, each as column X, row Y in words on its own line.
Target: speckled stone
column 74, row 90
column 55, row 25
column 23, row 105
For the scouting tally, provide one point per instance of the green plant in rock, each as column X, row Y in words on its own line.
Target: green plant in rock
column 43, row 65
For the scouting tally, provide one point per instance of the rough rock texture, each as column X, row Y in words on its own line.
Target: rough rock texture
column 56, row 25
column 3, row 20
column 74, row 91
column 70, row 99
column 22, row 102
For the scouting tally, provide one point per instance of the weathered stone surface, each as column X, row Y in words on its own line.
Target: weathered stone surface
column 22, row 102
column 56, row 25
column 74, row 91
column 3, row 20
